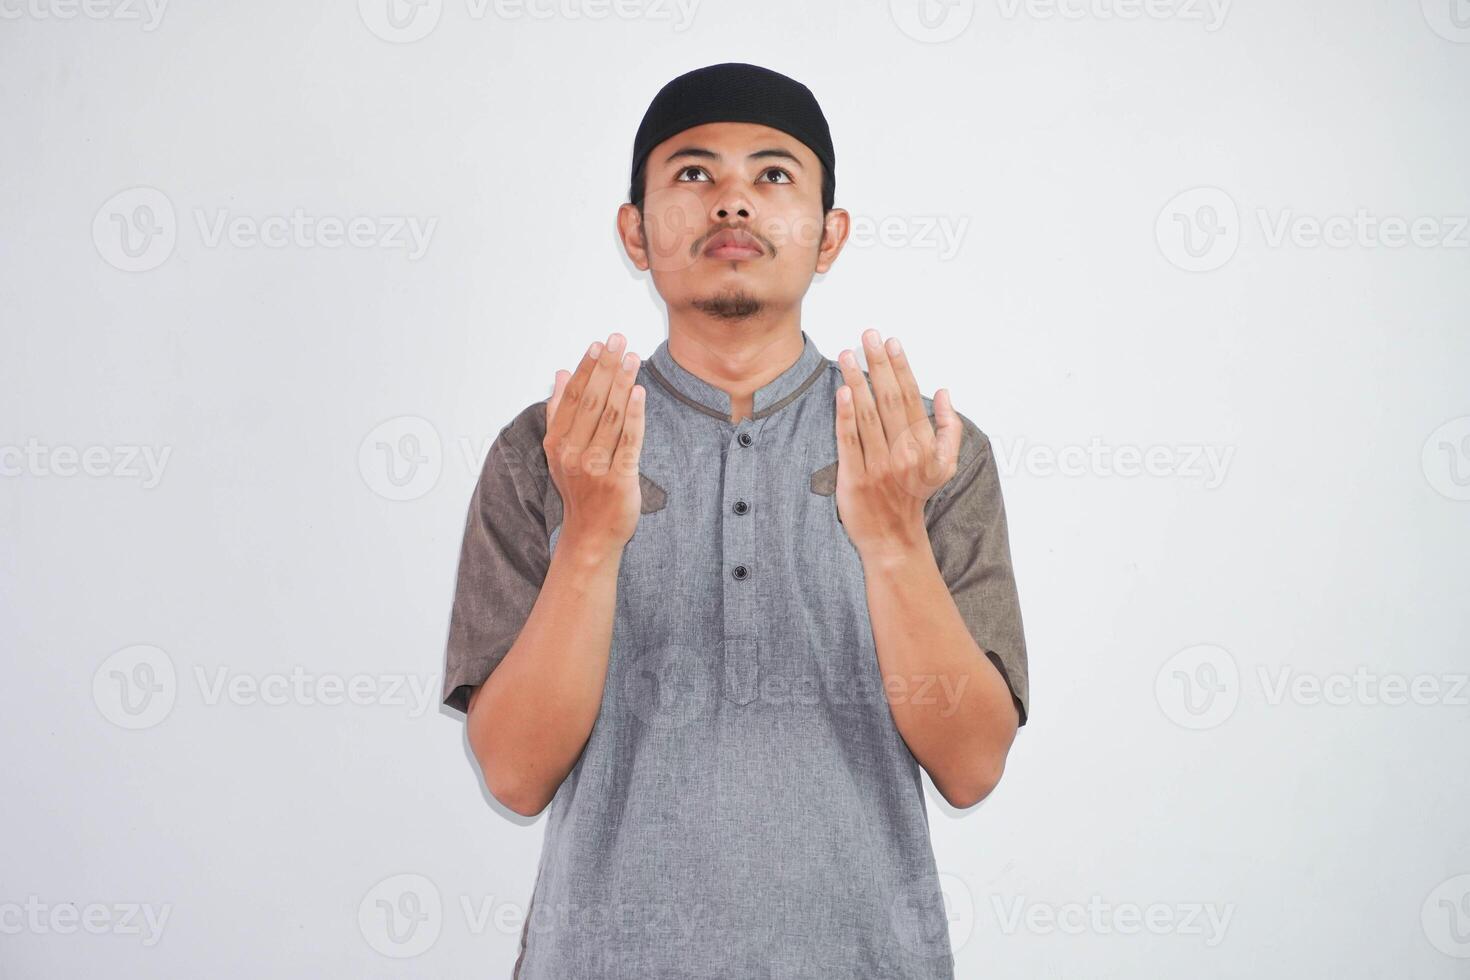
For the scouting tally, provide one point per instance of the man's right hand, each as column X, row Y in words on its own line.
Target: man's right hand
column 594, row 437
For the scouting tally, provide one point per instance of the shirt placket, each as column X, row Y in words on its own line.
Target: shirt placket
column 738, row 514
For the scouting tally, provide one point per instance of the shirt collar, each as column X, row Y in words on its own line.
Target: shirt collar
column 699, row 394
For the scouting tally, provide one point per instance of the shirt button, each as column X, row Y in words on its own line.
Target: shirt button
column 741, row 507
column 740, row 572
column 745, row 439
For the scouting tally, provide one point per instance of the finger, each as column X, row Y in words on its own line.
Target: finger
column 849, row 444
column 908, row 385
column 886, row 392
column 558, row 386
column 869, row 425
column 630, row 441
column 610, row 424
column 947, row 437
column 594, row 395
column 561, row 422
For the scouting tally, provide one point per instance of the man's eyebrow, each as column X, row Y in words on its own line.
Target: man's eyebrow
column 701, row 153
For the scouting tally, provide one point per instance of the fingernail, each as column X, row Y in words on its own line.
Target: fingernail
column 595, row 350
column 894, row 347
column 630, row 361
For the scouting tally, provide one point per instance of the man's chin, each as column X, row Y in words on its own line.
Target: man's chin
column 732, row 303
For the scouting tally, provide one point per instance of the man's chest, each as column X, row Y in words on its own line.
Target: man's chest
column 740, row 579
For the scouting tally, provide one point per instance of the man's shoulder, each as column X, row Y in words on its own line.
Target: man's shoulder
column 525, row 431
column 974, row 443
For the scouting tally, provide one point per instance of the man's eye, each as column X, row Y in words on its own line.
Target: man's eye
column 697, row 170
column 783, row 173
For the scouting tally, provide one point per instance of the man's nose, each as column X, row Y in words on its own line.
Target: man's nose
column 732, row 202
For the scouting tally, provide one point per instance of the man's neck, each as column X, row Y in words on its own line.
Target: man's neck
column 737, row 358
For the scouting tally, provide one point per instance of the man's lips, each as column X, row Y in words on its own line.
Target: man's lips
column 734, row 244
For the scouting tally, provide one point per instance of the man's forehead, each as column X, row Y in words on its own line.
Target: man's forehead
column 732, row 141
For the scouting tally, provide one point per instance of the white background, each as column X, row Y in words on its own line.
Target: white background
column 1164, row 775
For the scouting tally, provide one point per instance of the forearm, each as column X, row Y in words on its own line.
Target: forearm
column 951, row 705
column 531, row 718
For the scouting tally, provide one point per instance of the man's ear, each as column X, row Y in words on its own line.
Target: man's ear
column 835, row 226
column 633, row 236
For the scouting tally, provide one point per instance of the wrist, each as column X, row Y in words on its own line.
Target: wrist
column 588, row 548
column 897, row 550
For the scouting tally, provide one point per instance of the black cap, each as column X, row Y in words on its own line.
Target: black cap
column 735, row 92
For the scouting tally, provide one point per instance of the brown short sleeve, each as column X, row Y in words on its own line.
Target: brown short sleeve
column 502, row 565
column 967, row 529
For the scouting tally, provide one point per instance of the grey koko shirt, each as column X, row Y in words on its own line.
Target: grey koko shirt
column 744, row 806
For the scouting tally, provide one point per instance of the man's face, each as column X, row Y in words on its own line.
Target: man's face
column 732, row 221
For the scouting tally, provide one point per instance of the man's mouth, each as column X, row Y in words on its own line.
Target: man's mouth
column 733, row 243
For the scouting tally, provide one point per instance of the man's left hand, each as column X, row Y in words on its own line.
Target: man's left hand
column 890, row 456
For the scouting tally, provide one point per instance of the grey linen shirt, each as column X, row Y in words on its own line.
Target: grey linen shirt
column 744, row 806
